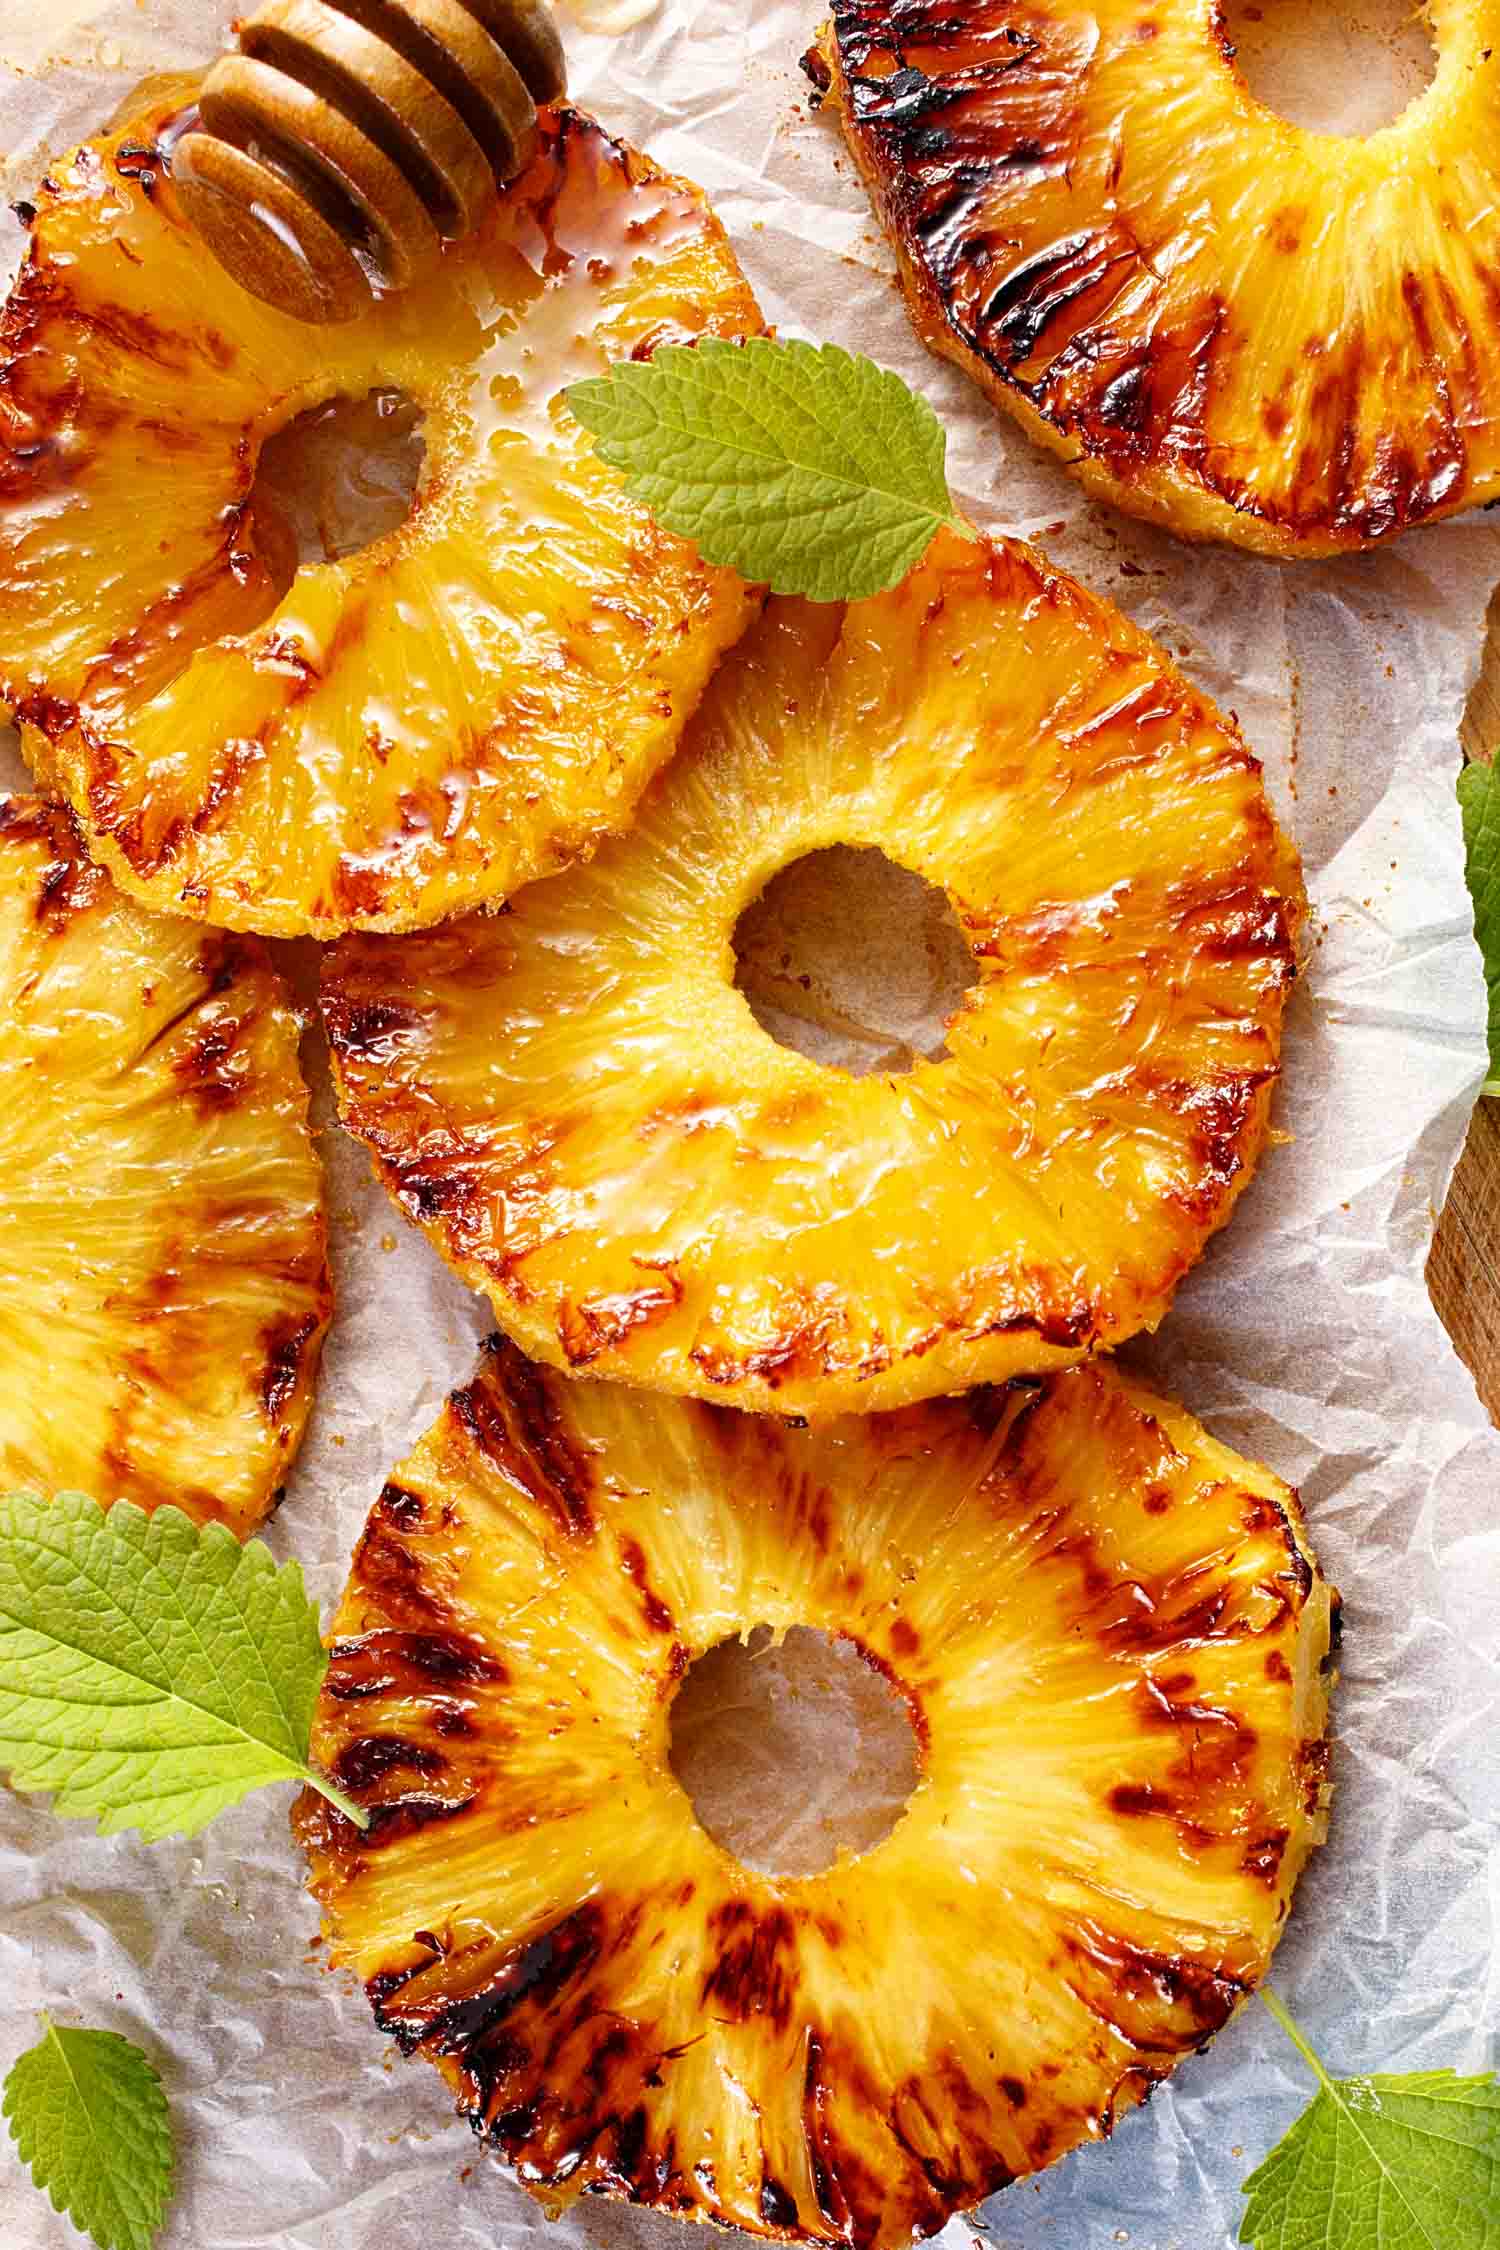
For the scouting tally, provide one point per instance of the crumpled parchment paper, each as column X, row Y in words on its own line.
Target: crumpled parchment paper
column 1306, row 1336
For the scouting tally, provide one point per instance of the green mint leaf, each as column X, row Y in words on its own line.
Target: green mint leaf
column 152, row 1672
column 1479, row 795
column 804, row 468
column 88, row 2116
column 1385, row 2163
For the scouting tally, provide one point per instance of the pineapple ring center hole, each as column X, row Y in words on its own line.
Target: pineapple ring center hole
column 792, row 1754
column 853, row 961
column 335, row 479
column 1332, row 66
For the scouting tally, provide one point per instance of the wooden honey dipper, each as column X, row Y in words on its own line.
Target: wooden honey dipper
column 346, row 140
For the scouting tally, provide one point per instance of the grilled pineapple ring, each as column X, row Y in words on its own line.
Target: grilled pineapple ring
column 163, row 1270
column 420, row 726
column 1239, row 328
column 1114, row 1646
column 581, row 1109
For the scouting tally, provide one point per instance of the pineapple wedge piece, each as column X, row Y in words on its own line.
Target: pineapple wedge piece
column 163, row 1271
column 1221, row 321
column 1114, row 1645
column 422, row 725
column 578, row 1105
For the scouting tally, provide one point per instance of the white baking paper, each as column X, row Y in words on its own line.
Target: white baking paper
column 1306, row 1336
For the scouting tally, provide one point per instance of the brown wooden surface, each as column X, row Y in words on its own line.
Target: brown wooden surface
column 1463, row 1271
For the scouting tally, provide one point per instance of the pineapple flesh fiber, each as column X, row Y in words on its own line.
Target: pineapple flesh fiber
column 1114, row 1647
column 163, row 1272
column 580, row 1108
column 407, row 731
column 1224, row 322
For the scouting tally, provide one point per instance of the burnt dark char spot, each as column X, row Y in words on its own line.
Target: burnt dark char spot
column 778, row 2207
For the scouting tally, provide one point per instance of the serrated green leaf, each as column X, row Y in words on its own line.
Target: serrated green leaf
column 152, row 1671
column 87, row 2113
column 803, row 467
column 1383, row 2163
column 1479, row 795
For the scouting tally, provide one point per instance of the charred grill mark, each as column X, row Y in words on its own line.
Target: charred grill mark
column 517, row 1423
column 1220, row 1747
column 813, row 1338
column 1167, row 2004
column 367, row 1031
column 1264, row 1855
column 633, row 1562
column 1219, row 1114
column 401, row 1509
column 69, row 883
column 359, row 889
column 1162, row 410
column 286, row 1345
column 68, row 887
column 369, row 1758
column 391, row 1661
column 446, row 1185
column 827, row 2187
column 1266, row 1517
column 507, row 2034
column 411, row 1593
column 1064, row 1327
column 216, row 1067
column 53, row 716
column 453, row 1718
column 1090, row 265
column 1132, row 1800
column 754, row 1972
column 152, row 653
column 392, row 1821
column 911, row 2170
column 590, row 1326
column 1316, row 1764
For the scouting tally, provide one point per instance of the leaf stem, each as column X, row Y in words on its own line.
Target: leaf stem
column 336, row 1798
column 1283, row 2016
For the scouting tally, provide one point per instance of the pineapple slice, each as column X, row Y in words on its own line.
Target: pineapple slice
column 1223, row 322
column 163, row 1272
column 415, row 728
column 580, row 1108
column 1114, row 1646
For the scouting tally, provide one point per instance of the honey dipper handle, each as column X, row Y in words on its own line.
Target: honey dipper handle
column 344, row 141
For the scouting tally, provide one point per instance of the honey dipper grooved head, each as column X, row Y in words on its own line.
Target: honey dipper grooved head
column 346, row 138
